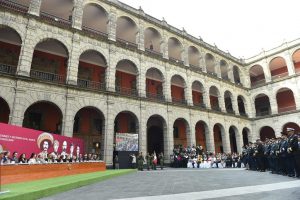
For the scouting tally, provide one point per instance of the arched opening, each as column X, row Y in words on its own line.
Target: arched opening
column 126, row 30
column 178, row 89
column 4, row 111
column 200, row 130
column 218, row 129
column 291, row 125
column 236, row 75
column 89, row 126
column 198, row 92
column 266, row 132
column 224, row 69
column 232, row 136
column 58, row 11
column 194, row 57
column 228, row 102
column 278, row 68
column 241, row 105
column 210, row 64
column 296, row 61
column 285, row 100
column 214, row 98
column 153, row 40
column 95, row 19
column 246, row 133
column 17, row 5
column 126, row 137
column 262, row 105
column 44, row 116
column 175, row 49
column 91, row 70
column 154, row 84
column 50, row 61
column 126, row 78
column 156, row 127
column 257, row 76
column 180, row 131
column 10, row 46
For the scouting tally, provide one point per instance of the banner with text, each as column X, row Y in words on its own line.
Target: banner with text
column 24, row 140
column 127, row 142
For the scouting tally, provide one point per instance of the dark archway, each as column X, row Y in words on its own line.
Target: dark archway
column 200, row 130
column 4, row 111
column 44, row 116
column 262, row 105
column 266, row 132
column 291, row 125
column 232, row 136
column 155, row 134
column 180, row 132
column 218, row 138
column 246, row 133
column 89, row 126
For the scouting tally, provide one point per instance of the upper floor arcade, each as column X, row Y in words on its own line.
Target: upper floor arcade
column 133, row 29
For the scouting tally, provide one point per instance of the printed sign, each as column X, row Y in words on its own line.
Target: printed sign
column 127, row 142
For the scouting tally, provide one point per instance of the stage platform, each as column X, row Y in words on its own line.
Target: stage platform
column 28, row 172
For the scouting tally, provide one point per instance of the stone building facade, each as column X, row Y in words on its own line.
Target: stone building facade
column 203, row 94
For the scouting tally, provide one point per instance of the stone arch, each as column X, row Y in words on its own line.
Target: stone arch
column 198, row 94
column 60, row 11
column 157, row 134
column 236, row 75
column 194, row 56
column 201, row 132
column 234, row 139
column 296, row 60
column 242, row 105
column 262, row 104
column 181, row 132
column 224, row 69
column 175, row 49
column 293, row 125
column 154, row 83
column 45, row 116
column 15, row 27
column 178, row 89
column 153, row 39
column 278, row 68
column 4, row 111
column 257, row 75
column 285, row 100
column 214, row 97
column 219, row 137
column 228, row 99
column 210, row 64
column 246, row 136
column 126, row 30
column 266, row 132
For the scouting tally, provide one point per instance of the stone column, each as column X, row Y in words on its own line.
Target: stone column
column 230, row 72
column 109, row 132
column 267, row 71
column 34, row 7
column 226, row 140
column 73, row 61
column 209, row 137
column 143, row 130
column 273, row 102
column 167, row 84
column 168, row 150
column 169, row 139
column 217, row 67
column 112, row 24
column 192, row 134
column 206, row 96
column 165, row 49
column 68, row 119
column 77, row 14
column 222, row 101
column 110, row 75
column 141, row 36
column 185, row 55
column 297, row 95
column 18, row 109
column 289, row 62
column 239, row 140
column 202, row 61
column 188, row 89
column 235, row 105
column 26, row 53
column 142, row 78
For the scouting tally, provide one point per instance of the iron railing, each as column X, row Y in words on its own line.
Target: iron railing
column 196, row 68
column 11, row 5
column 56, row 19
column 277, row 76
column 153, row 52
column 126, row 91
column 243, row 114
column 157, row 97
column 286, row 109
column 94, row 31
column 45, row 76
column 216, row 108
column 175, row 60
column 7, row 69
column 179, row 101
column 263, row 113
column 258, row 83
column 90, row 84
column 202, row 105
column 131, row 44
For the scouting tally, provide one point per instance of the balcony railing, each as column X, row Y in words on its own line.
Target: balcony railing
column 277, row 76
column 11, row 5
column 216, row 108
column 243, row 114
column 126, row 91
column 175, row 60
column 286, row 109
column 202, row 105
column 179, row 101
column 7, row 69
column 45, row 76
column 212, row 74
column 55, row 19
column 258, row 83
column 230, row 111
column 93, row 31
column 196, row 68
column 131, row 44
column 157, row 97
column 90, row 84
column 154, row 52
column 263, row 113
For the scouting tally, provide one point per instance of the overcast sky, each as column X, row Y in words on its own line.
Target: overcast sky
column 243, row 27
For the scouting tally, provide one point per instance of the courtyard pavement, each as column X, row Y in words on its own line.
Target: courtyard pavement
column 189, row 184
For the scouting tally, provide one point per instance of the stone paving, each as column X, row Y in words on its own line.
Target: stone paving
column 186, row 182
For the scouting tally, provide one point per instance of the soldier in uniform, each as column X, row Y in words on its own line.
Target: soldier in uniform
column 283, row 157
column 148, row 160
column 141, row 161
column 291, row 152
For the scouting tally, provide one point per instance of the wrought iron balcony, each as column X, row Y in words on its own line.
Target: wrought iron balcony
column 175, row 60
column 179, row 101
column 286, row 109
column 126, row 91
column 278, row 76
column 156, row 97
column 153, row 52
column 216, row 108
column 55, row 19
column 91, row 84
column 45, row 76
column 93, row 31
column 11, row 5
column 7, row 69
column 196, row 68
column 258, row 83
column 263, row 113
column 127, row 43
column 202, row 105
